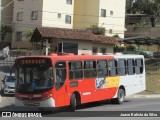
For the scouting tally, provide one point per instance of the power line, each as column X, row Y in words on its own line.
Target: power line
column 55, row 19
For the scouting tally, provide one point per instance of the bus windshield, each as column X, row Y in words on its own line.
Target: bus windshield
column 34, row 79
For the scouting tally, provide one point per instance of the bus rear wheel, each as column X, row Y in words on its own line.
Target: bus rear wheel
column 73, row 103
column 120, row 97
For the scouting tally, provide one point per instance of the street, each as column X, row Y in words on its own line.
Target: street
column 130, row 104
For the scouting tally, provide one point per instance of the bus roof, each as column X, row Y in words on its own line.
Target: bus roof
column 83, row 57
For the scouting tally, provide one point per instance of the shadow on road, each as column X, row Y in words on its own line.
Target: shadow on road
column 55, row 112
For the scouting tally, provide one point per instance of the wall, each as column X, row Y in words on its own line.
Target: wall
column 26, row 6
column 85, row 13
column 85, row 46
column 116, row 22
column 51, row 8
column 108, row 47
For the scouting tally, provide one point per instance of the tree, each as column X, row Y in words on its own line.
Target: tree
column 116, row 36
column 28, row 34
column 4, row 30
column 149, row 7
column 95, row 29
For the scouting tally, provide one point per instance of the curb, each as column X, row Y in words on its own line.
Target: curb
column 144, row 96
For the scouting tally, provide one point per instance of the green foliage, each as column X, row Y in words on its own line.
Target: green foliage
column 95, row 29
column 149, row 7
column 119, row 49
column 4, row 30
column 116, row 36
column 141, row 24
column 28, row 34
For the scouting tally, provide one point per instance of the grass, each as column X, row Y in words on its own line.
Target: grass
column 153, row 81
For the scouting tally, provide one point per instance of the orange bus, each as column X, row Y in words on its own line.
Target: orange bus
column 60, row 80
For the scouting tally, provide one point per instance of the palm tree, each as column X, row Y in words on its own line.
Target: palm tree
column 4, row 30
column 28, row 34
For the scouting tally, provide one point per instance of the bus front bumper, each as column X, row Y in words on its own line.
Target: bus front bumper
column 50, row 102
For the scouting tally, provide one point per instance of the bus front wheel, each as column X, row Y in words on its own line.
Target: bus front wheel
column 73, row 103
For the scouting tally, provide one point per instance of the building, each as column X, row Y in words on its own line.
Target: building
column 74, row 14
column 6, row 16
column 50, row 39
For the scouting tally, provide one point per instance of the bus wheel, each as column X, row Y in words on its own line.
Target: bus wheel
column 120, row 98
column 73, row 103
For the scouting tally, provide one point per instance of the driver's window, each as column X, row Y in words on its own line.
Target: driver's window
column 60, row 74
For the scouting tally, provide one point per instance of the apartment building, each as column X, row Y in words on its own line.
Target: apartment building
column 76, row 14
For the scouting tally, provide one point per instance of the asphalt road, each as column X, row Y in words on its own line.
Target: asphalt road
column 92, row 109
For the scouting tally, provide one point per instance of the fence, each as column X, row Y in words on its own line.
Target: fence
column 7, row 63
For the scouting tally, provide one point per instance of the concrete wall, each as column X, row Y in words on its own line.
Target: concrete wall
column 51, row 8
column 116, row 22
column 84, row 46
column 85, row 13
column 26, row 6
column 109, row 48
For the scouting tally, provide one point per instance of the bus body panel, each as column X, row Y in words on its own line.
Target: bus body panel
column 88, row 89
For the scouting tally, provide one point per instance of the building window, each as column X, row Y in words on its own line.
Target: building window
column 68, row 48
column 19, row 36
column 20, row 16
column 59, row 15
column 110, row 31
column 111, row 12
column 34, row 15
column 69, row 2
column 103, row 50
column 68, row 19
column 94, row 50
column 103, row 12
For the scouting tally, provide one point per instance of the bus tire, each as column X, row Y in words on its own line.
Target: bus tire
column 73, row 103
column 120, row 97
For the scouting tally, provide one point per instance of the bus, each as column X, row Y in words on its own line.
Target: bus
column 59, row 80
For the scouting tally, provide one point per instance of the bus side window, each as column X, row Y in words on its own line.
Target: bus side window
column 60, row 74
column 102, row 68
column 90, row 69
column 75, row 70
column 139, row 66
column 131, row 67
column 112, row 66
column 121, row 67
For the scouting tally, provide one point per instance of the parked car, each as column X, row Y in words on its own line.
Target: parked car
column 8, row 84
column 147, row 54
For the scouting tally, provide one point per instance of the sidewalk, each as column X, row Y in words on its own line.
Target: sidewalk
column 144, row 96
